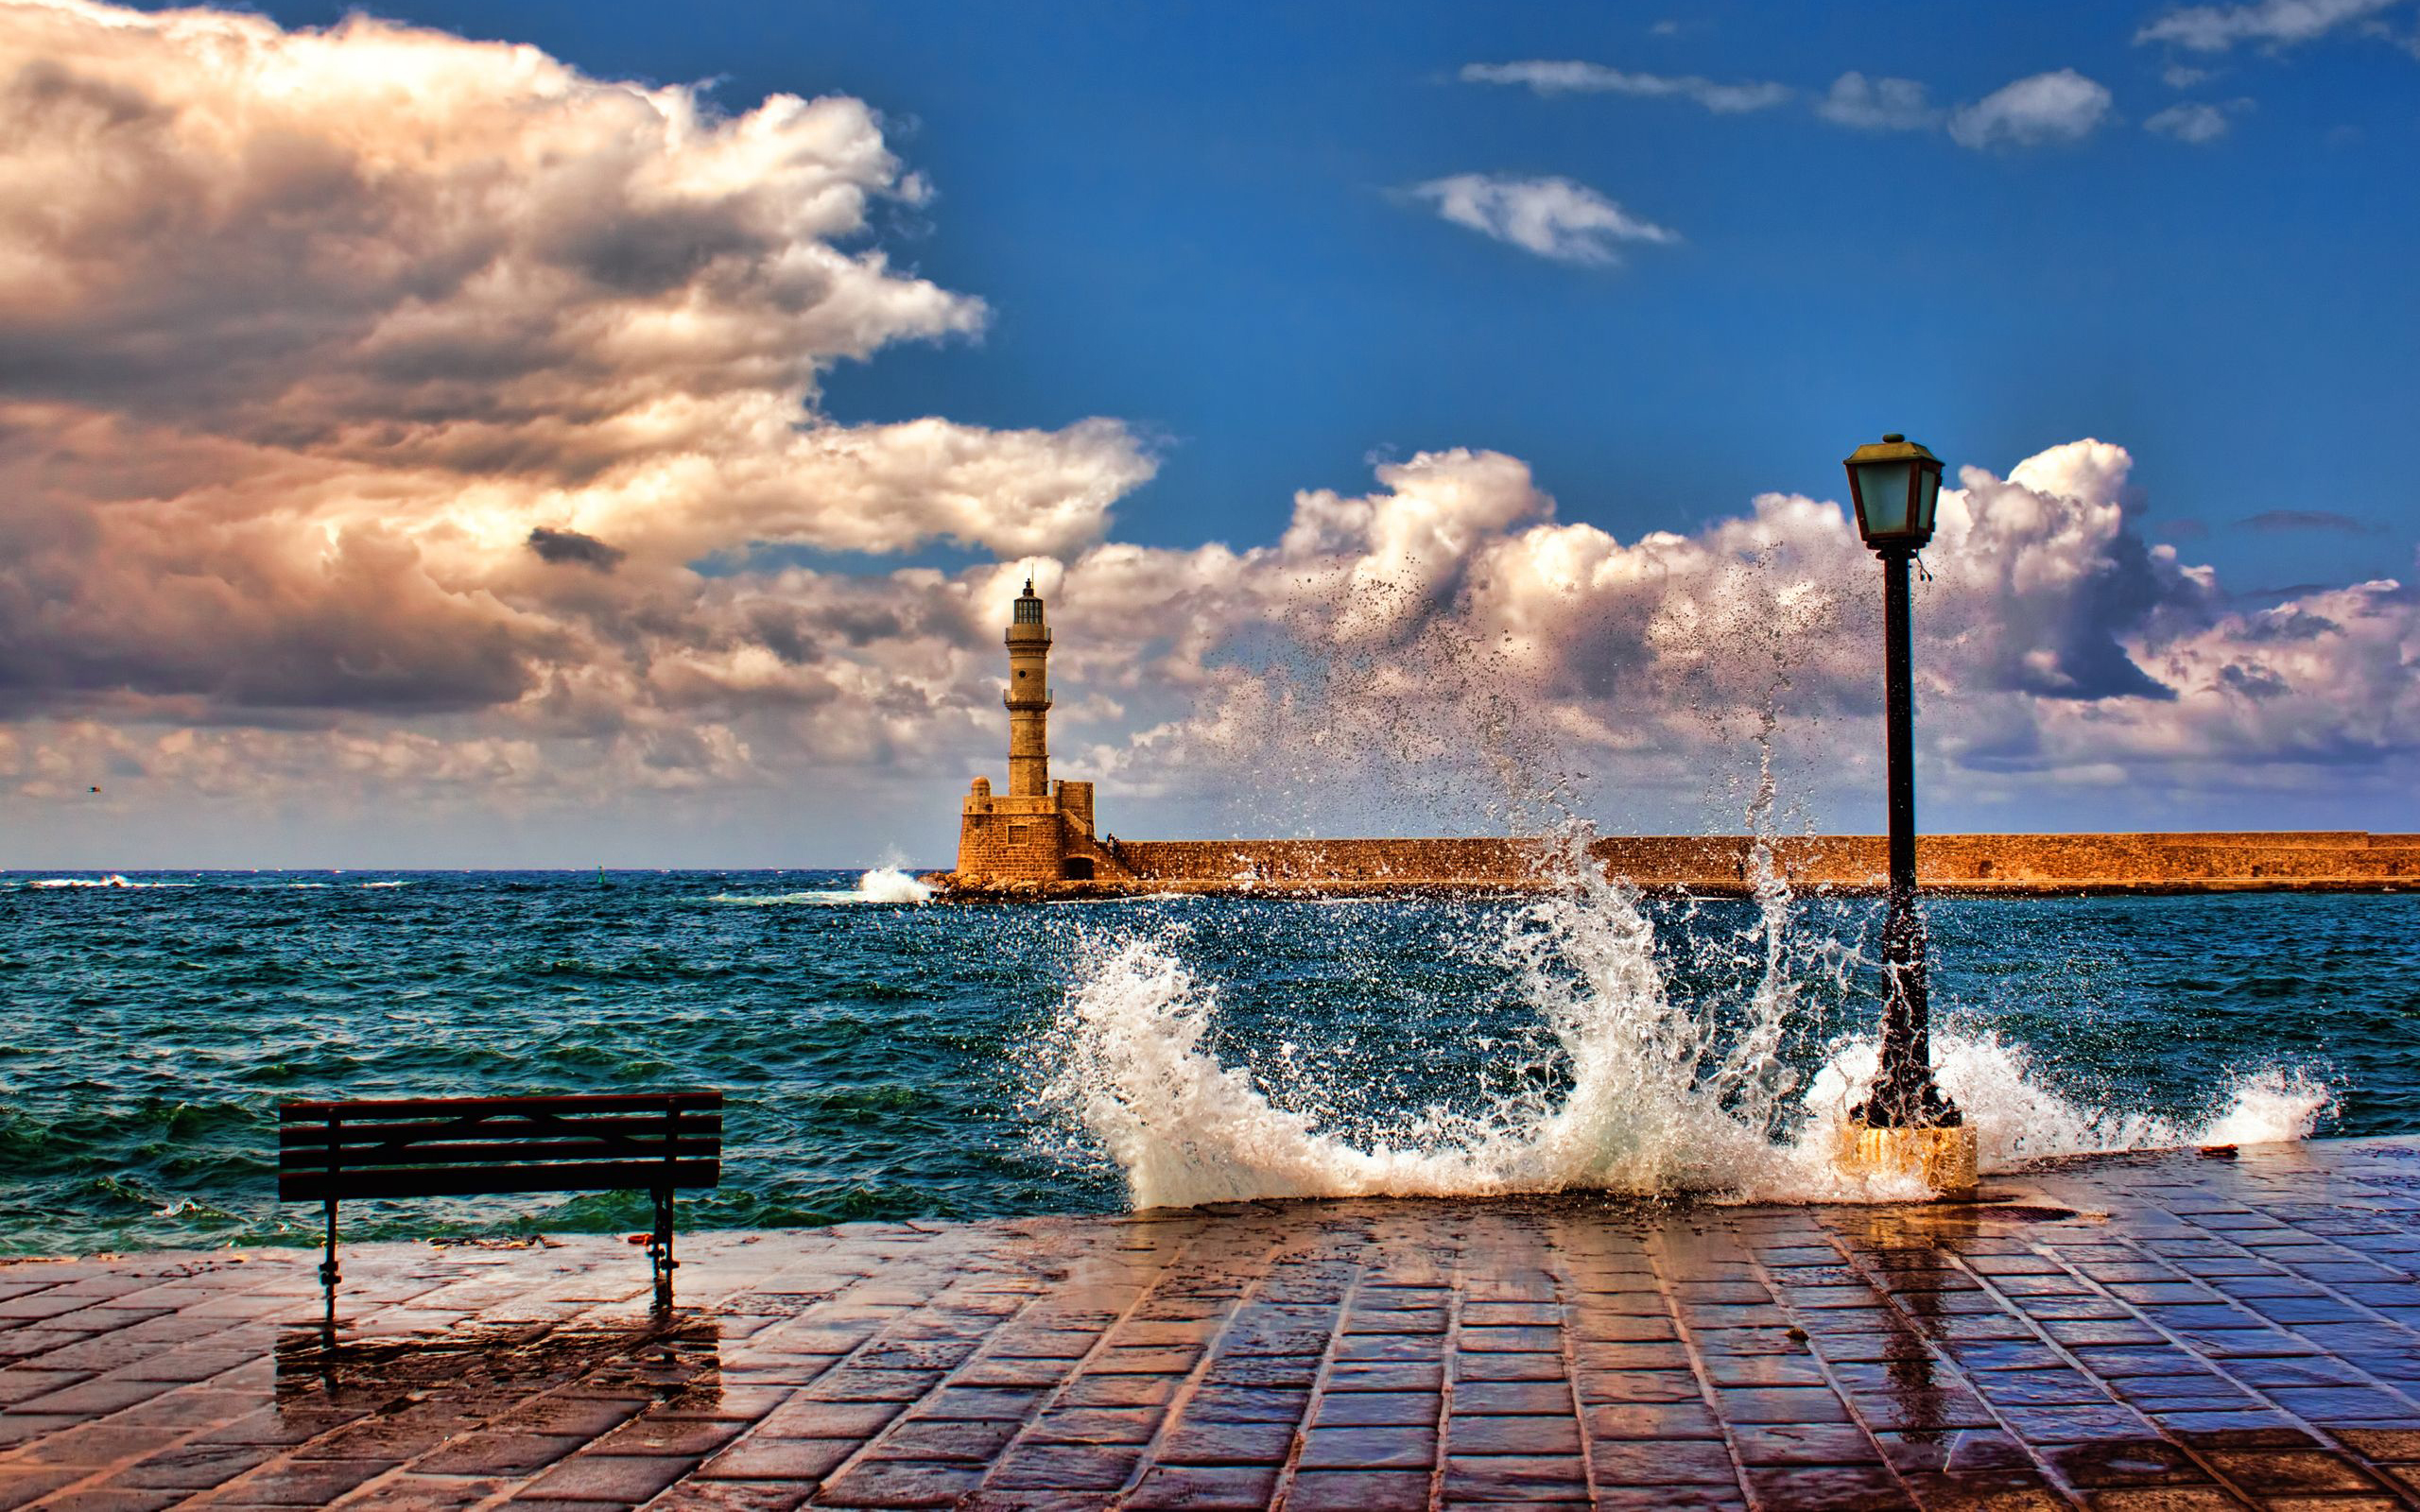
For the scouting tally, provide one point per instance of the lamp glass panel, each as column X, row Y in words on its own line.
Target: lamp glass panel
column 1927, row 497
column 1882, row 499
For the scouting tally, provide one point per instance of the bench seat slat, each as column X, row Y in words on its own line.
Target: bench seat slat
column 351, row 1131
column 500, row 1153
column 475, row 1181
column 455, row 1107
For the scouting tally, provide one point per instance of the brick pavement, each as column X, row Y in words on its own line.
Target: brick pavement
column 2141, row 1332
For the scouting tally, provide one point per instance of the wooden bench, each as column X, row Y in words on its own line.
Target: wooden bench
column 464, row 1147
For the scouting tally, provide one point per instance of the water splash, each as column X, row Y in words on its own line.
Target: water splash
column 890, row 885
column 1651, row 1090
column 883, row 885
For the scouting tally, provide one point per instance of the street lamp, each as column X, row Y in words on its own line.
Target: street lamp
column 1905, row 1123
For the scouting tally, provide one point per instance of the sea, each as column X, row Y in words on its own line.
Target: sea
column 888, row 1055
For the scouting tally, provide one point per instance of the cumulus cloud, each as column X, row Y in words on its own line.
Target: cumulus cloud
column 323, row 353
column 2056, row 107
column 2274, row 22
column 1878, row 104
column 1450, row 615
column 1553, row 217
column 1571, row 77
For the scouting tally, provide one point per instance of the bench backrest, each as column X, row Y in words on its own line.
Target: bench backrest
column 461, row 1146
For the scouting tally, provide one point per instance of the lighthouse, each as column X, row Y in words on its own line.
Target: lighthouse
column 1028, row 696
column 1039, row 831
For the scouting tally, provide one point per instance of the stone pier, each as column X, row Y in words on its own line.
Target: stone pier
column 2170, row 1332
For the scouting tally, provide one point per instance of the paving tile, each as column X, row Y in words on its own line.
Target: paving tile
column 1830, row 1487
column 1661, row 1462
column 1780, row 1404
column 431, row 1493
column 1369, row 1448
column 1523, row 1478
column 826, row 1419
column 899, row 1483
column 1247, row 1404
column 1655, row 1422
column 2273, row 1473
column 1194, row 1442
column 1380, row 1409
column 1471, row 1433
column 494, row 1452
column 1498, row 1397
column 724, row 1496
column 1723, row 1497
column 1346, row 1377
column 310, row 1483
column 191, row 1466
column 1639, row 1386
column 1508, row 1366
column 1803, row 1444
column 1062, row 1467
column 1095, row 1425
column 677, row 1436
column 2109, row 1462
column 1173, row 1487
column 22, row 1484
column 758, row 1458
column 1314, row 1491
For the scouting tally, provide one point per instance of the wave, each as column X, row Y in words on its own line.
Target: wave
column 1655, row 1091
column 109, row 879
column 883, row 885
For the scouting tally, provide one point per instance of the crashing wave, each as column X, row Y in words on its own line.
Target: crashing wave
column 1660, row 1093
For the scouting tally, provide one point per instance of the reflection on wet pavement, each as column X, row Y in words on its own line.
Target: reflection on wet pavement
column 2144, row 1331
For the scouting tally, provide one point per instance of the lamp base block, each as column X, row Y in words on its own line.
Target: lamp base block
column 1942, row 1158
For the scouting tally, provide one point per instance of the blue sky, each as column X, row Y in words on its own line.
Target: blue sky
column 1189, row 217
column 526, row 433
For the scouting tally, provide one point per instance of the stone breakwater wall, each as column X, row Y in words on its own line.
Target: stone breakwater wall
column 2225, row 861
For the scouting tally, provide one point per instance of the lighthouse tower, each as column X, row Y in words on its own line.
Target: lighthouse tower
column 1028, row 696
column 1038, row 830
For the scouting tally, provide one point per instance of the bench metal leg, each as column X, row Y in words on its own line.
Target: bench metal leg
column 659, row 1250
column 328, row 1268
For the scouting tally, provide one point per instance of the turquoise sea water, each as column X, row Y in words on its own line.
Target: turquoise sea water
column 894, row 1060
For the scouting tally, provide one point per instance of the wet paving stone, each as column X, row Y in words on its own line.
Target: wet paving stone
column 2200, row 1333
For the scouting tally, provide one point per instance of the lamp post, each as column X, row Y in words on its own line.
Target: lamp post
column 1905, row 1123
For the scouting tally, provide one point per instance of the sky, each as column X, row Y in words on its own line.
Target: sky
column 564, row 435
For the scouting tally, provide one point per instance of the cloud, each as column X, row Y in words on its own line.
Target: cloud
column 2056, row 107
column 2275, row 23
column 2193, row 122
column 2183, row 75
column 393, row 424
column 1553, row 217
column 1878, row 104
column 1447, row 632
column 324, row 352
column 1570, row 77
column 2283, row 520
column 1451, row 617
